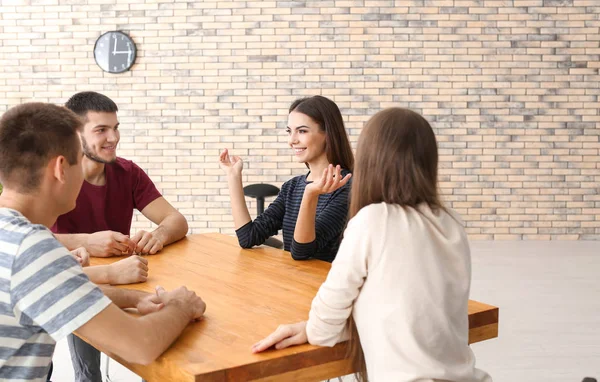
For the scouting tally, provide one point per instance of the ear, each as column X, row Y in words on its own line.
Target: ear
column 57, row 166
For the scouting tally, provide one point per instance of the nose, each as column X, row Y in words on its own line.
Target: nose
column 293, row 138
column 113, row 136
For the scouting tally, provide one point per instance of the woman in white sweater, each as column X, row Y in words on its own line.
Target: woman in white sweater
column 399, row 285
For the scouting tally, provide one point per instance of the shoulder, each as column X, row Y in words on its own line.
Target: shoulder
column 15, row 228
column 346, row 188
column 37, row 250
column 370, row 214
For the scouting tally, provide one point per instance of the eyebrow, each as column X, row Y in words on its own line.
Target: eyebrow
column 105, row 126
column 299, row 127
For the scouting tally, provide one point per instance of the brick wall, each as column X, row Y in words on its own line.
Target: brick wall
column 511, row 88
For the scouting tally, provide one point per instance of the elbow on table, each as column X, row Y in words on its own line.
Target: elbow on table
column 299, row 256
column 245, row 243
column 325, row 342
column 185, row 227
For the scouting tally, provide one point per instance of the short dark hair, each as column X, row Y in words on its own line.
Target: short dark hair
column 327, row 114
column 83, row 102
column 30, row 135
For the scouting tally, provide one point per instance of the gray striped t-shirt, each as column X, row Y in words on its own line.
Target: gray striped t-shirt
column 44, row 295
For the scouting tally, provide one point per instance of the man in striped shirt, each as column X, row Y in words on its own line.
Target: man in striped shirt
column 44, row 294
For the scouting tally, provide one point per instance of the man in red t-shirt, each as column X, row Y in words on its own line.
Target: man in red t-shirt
column 101, row 221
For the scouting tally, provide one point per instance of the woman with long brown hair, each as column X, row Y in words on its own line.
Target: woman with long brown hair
column 311, row 209
column 400, row 282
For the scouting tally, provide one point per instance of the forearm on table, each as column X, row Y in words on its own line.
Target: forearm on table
column 123, row 298
column 140, row 339
column 72, row 240
column 98, row 274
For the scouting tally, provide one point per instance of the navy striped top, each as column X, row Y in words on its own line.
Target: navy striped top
column 332, row 212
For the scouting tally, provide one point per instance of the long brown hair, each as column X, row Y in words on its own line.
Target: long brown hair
column 327, row 114
column 396, row 163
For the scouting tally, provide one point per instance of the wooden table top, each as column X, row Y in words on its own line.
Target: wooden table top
column 248, row 293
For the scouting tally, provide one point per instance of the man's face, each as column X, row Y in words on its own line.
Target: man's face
column 100, row 136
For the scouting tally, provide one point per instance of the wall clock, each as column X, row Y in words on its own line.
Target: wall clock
column 115, row 52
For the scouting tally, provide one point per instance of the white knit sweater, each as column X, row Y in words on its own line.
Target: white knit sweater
column 404, row 275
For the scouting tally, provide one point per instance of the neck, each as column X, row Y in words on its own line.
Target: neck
column 93, row 172
column 317, row 167
column 34, row 207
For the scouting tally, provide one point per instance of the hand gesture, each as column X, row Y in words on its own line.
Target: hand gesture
column 133, row 269
column 109, row 243
column 284, row 336
column 82, row 256
column 147, row 243
column 184, row 299
column 330, row 180
column 231, row 165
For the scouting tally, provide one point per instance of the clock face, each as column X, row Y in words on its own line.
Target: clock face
column 114, row 52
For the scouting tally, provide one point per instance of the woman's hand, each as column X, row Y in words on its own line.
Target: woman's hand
column 232, row 165
column 284, row 336
column 330, row 180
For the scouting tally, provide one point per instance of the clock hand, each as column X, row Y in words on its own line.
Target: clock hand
column 115, row 46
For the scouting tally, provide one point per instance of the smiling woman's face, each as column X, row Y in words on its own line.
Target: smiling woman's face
column 305, row 137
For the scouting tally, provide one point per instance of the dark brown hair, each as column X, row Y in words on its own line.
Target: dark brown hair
column 30, row 135
column 83, row 102
column 326, row 113
column 396, row 163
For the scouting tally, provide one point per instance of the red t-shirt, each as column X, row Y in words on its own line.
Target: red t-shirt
column 110, row 207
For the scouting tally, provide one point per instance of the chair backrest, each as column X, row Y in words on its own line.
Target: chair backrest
column 260, row 191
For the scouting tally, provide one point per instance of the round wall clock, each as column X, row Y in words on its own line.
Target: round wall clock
column 115, row 52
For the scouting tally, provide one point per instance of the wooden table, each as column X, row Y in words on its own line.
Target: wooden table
column 248, row 294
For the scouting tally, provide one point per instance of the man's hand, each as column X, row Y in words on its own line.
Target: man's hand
column 149, row 304
column 133, row 269
column 184, row 299
column 109, row 243
column 148, row 243
column 82, row 256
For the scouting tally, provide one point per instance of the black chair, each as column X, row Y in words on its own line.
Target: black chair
column 260, row 192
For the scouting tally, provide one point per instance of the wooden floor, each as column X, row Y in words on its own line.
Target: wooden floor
column 549, row 299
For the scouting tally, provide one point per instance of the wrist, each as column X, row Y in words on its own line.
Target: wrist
column 137, row 296
column 160, row 233
column 311, row 194
column 182, row 308
column 84, row 240
column 109, row 274
column 234, row 176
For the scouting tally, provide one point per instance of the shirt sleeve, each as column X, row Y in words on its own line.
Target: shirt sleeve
column 49, row 289
column 333, row 303
column 144, row 190
column 329, row 225
column 266, row 224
